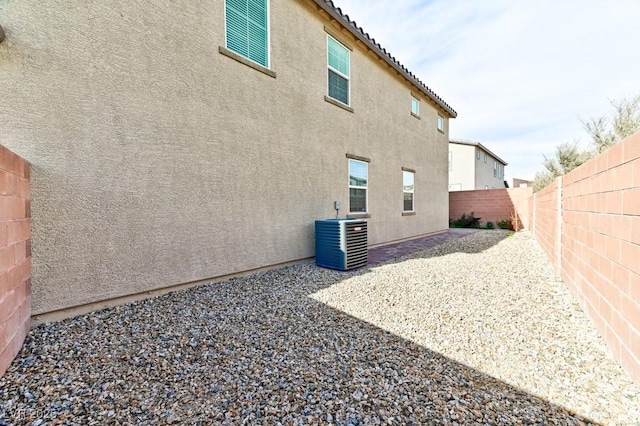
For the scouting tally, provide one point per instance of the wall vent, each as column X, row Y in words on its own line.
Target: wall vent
column 341, row 243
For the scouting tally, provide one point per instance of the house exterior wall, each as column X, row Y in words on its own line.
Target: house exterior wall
column 484, row 178
column 469, row 173
column 461, row 175
column 15, row 255
column 159, row 161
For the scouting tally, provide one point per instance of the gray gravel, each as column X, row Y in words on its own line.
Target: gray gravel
column 475, row 331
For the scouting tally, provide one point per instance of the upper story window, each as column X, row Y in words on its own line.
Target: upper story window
column 415, row 106
column 247, row 29
column 440, row 123
column 485, row 158
column 338, row 62
column 477, row 153
column 358, row 185
column 408, row 179
column 495, row 169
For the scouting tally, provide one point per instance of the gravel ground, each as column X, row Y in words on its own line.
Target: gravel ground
column 475, row 331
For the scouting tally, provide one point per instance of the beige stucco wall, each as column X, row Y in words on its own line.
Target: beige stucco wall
column 484, row 173
column 157, row 161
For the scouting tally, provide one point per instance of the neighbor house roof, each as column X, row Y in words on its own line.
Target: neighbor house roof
column 479, row 145
column 351, row 26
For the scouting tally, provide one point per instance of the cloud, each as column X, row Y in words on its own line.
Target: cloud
column 520, row 74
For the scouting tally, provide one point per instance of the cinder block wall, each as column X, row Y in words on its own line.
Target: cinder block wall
column 15, row 255
column 601, row 246
column 492, row 204
column 545, row 220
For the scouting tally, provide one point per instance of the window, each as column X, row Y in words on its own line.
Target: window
column 477, row 154
column 407, row 189
column 450, row 160
column 338, row 64
column 485, row 158
column 358, row 182
column 247, row 29
column 495, row 169
column 415, row 106
column 440, row 123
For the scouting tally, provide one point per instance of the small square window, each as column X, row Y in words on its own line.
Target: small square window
column 247, row 29
column 415, row 106
column 440, row 123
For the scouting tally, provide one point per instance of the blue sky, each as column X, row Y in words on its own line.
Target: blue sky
column 520, row 74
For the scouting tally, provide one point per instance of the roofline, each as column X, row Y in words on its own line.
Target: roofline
column 478, row 144
column 358, row 32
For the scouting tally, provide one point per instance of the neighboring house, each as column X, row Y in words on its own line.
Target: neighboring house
column 175, row 142
column 473, row 166
column 520, row 183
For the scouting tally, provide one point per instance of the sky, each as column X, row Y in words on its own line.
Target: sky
column 522, row 74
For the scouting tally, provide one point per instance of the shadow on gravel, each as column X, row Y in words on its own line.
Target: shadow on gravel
column 255, row 350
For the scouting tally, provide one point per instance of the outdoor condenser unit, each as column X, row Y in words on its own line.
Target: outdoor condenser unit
column 341, row 243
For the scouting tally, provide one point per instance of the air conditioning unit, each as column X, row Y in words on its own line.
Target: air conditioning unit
column 341, row 243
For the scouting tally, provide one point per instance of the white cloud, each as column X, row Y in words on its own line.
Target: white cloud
column 521, row 74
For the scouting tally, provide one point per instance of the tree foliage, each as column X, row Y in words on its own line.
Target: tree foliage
column 604, row 132
column 566, row 157
column 609, row 130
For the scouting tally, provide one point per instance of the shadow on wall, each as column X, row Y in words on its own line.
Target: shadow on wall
column 256, row 349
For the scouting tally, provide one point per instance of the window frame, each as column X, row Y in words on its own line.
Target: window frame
column 340, row 74
column 485, row 158
column 440, row 124
column 415, row 101
column 412, row 192
column 477, row 153
column 495, row 169
column 268, row 47
column 366, row 188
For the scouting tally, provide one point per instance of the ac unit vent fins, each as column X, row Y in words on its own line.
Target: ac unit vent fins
column 341, row 243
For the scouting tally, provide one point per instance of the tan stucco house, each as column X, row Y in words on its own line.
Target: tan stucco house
column 176, row 142
column 473, row 166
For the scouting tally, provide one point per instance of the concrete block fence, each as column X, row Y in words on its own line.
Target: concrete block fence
column 492, row 205
column 588, row 223
column 15, row 255
column 600, row 245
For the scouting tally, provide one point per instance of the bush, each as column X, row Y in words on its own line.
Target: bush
column 466, row 221
column 490, row 225
column 504, row 224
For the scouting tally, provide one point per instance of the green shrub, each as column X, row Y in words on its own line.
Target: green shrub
column 466, row 221
column 504, row 224
column 490, row 225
